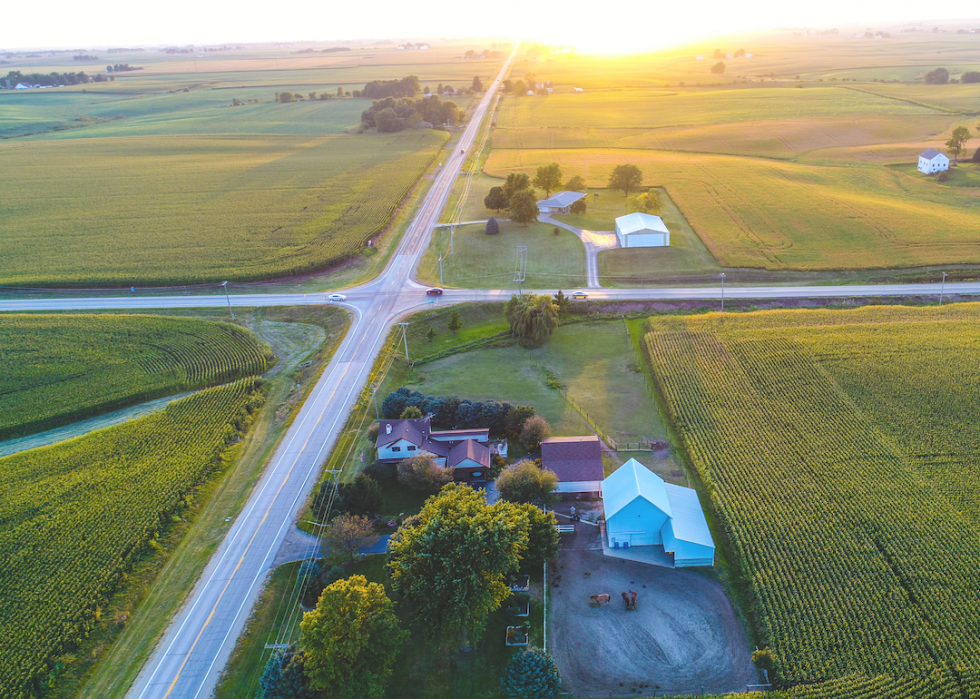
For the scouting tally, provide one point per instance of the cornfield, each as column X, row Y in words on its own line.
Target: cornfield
column 61, row 368
column 76, row 516
column 840, row 450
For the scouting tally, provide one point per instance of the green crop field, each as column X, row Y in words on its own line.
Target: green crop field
column 75, row 516
column 61, row 368
column 481, row 261
column 840, row 451
column 157, row 179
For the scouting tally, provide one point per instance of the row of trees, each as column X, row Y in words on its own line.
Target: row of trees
column 54, row 79
column 518, row 198
column 449, row 564
column 379, row 89
column 389, row 115
column 453, row 412
column 286, row 97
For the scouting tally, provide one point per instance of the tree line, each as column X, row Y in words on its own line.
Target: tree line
column 389, row 115
column 54, row 79
column 453, row 412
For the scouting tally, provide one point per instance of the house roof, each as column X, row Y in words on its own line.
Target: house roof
column 468, row 449
column 415, row 431
column 930, row 153
column 462, row 434
column 687, row 521
column 573, row 459
column 630, row 481
column 561, row 199
column 640, row 223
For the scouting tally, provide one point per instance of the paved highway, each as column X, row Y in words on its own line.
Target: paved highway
column 187, row 661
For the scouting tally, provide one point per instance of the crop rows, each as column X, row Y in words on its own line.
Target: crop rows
column 75, row 516
column 862, row 554
column 59, row 368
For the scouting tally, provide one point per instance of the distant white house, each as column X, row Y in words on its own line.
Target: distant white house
column 642, row 510
column 699, row 58
column 23, row 86
column 642, row 231
column 931, row 161
column 578, row 89
column 530, row 93
column 559, row 203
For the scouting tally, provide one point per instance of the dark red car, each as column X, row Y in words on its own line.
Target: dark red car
column 434, row 292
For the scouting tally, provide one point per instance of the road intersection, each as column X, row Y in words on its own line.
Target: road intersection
column 188, row 660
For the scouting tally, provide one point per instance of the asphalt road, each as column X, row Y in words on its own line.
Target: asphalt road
column 189, row 658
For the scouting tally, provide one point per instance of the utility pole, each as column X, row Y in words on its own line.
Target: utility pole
column 405, row 337
column 452, row 235
column 520, row 269
column 722, row 292
column 374, row 388
column 228, row 299
column 440, row 270
column 942, row 288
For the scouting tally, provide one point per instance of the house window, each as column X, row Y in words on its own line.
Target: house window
column 396, row 448
column 411, row 448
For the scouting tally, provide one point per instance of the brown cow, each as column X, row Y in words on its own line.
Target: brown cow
column 626, row 599
column 600, row 599
column 633, row 600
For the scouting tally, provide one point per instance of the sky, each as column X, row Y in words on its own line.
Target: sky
column 609, row 27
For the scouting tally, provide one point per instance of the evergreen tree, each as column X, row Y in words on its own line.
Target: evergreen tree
column 531, row 674
column 455, row 323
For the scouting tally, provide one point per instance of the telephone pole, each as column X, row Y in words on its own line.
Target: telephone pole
column 942, row 288
column 520, row 269
column 405, row 337
column 440, row 270
column 228, row 299
column 722, row 292
column 374, row 389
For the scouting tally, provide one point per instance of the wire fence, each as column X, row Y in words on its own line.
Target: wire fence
column 603, row 435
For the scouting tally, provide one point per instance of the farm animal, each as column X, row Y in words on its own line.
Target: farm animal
column 630, row 600
column 600, row 599
column 626, row 599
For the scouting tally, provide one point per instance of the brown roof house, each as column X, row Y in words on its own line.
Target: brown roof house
column 577, row 461
column 464, row 451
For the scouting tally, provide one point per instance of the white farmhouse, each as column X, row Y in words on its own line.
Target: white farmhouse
column 932, row 161
column 559, row 203
column 642, row 231
column 642, row 510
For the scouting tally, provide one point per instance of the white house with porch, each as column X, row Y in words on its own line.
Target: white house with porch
column 642, row 231
column 642, row 510
column 559, row 203
column 932, row 161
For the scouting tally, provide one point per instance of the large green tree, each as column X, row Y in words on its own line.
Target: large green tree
column 347, row 534
column 647, row 203
column 524, row 207
column 575, row 184
column 543, row 542
column 452, row 559
column 495, row 199
column 531, row 674
column 626, row 178
column 536, row 429
column 351, row 640
column 516, row 182
column 526, row 482
column 957, row 142
column 423, row 473
column 532, row 318
column 548, row 178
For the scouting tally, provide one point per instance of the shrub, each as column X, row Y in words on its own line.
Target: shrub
column 493, row 228
column 531, row 674
column 372, row 432
column 942, row 176
column 361, row 496
column 423, row 473
column 526, row 482
column 556, row 231
column 536, row 429
column 516, row 417
column 308, row 583
column 411, row 413
column 381, row 471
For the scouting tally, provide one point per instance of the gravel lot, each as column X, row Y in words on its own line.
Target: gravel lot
column 682, row 638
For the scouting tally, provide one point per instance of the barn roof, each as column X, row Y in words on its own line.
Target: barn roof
column 573, row 459
column 688, row 522
column 640, row 223
column 630, row 481
column 929, row 153
column 561, row 199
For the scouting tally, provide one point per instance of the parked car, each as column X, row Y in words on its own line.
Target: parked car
column 434, row 292
column 580, row 295
column 336, row 297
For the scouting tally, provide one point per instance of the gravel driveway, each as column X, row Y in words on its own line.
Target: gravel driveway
column 682, row 638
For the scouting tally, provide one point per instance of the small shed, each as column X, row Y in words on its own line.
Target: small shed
column 932, row 161
column 577, row 461
column 642, row 510
column 642, row 231
column 559, row 203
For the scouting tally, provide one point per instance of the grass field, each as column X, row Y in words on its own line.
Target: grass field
column 845, row 442
column 481, row 261
column 79, row 514
column 60, row 368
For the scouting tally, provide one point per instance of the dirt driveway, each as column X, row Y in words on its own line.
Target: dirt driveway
column 682, row 638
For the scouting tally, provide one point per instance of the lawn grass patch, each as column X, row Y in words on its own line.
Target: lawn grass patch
column 481, row 261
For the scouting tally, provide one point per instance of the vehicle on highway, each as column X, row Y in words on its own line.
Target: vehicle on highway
column 580, row 295
column 434, row 292
column 336, row 297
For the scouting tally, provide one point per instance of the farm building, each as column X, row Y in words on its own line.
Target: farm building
column 467, row 452
column 577, row 461
column 642, row 231
column 559, row 203
column 932, row 161
column 642, row 510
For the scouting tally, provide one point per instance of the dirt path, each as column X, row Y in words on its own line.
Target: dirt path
column 593, row 242
column 683, row 637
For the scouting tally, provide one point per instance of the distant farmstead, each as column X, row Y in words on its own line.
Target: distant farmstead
column 932, row 161
column 642, row 231
column 559, row 203
column 642, row 510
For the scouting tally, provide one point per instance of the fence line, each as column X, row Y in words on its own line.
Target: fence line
column 589, row 421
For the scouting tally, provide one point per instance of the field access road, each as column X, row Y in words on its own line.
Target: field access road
column 188, row 659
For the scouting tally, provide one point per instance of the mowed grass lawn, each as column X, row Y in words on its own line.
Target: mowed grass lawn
column 186, row 209
column 762, row 213
column 686, row 257
column 481, row 261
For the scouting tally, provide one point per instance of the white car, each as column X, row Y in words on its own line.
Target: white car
column 336, row 297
